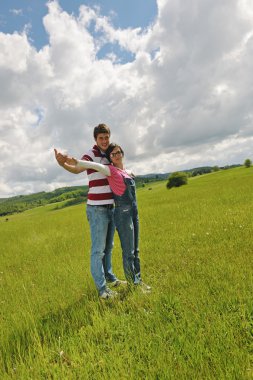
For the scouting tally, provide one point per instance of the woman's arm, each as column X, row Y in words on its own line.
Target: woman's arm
column 104, row 169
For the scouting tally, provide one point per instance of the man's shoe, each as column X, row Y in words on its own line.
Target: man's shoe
column 108, row 293
column 144, row 287
column 117, row 283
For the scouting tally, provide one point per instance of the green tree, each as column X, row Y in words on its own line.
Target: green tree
column 247, row 163
column 177, row 179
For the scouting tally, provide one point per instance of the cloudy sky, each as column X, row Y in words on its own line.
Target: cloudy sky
column 172, row 78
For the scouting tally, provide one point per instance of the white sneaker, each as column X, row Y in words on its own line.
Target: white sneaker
column 108, row 293
column 144, row 287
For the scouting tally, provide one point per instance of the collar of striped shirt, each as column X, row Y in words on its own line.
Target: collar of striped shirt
column 98, row 152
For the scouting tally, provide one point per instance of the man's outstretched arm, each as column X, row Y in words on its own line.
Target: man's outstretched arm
column 62, row 161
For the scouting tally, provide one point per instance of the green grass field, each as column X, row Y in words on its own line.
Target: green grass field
column 196, row 252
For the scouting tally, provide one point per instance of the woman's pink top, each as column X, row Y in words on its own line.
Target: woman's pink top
column 116, row 180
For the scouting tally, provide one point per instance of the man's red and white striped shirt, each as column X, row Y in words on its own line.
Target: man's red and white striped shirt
column 99, row 190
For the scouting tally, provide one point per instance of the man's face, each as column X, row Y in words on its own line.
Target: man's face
column 103, row 141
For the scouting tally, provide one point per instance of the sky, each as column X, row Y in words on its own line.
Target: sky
column 172, row 78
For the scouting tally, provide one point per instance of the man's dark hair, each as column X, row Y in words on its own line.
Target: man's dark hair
column 101, row 128
column 110, row 148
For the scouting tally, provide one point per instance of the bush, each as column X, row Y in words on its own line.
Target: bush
column 202, row 170
column 247, row 163
column 177, row 179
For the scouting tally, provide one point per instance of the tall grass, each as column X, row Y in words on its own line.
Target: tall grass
column 196, row 252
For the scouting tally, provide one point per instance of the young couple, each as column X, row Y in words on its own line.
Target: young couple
column 111, row 201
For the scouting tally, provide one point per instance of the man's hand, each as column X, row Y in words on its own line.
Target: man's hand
column 61, row 158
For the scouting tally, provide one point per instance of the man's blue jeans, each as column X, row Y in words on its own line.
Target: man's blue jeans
column 127, row 224
column 102, row 230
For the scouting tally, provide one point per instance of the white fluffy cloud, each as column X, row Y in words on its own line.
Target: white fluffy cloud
column 183, row 101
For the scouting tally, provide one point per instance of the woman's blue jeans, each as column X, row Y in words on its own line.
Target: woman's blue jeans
column 127, row 224
column 102, row 230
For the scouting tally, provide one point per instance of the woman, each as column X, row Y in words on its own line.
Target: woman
column 126, row 211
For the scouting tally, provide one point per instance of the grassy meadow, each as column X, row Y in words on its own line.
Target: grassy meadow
column 196, row 253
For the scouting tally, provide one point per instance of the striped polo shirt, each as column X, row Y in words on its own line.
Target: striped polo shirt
column 99, row 190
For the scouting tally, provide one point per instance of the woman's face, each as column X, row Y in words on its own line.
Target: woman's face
column 116, row 156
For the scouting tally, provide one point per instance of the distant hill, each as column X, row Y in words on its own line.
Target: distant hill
column 72, row 195
column 78, row 194
column 191, row 172
column 152, row 177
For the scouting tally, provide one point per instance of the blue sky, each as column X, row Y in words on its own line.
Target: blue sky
column 172, row 80
column 15, row 14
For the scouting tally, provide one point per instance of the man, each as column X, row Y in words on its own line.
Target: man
column 100, row 208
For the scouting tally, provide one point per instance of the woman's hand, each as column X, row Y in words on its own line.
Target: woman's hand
column 61, row 158
column 71, row 161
